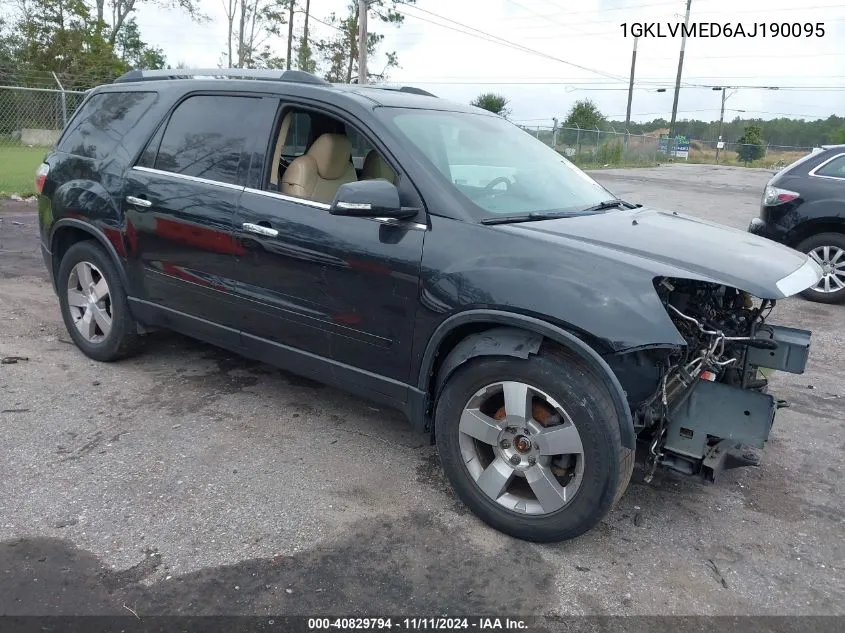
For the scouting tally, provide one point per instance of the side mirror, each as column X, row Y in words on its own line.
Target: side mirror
column 369, row 199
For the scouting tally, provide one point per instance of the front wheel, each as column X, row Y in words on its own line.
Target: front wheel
column 532, row 445
column 828, row 251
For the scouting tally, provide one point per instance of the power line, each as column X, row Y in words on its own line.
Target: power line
column 602, row 11
column 478, row 33
column 725, row 11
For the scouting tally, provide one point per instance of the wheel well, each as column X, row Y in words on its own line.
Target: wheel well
column 808, row 230
column 449, row 343
column 462, row 332
column 65, row 237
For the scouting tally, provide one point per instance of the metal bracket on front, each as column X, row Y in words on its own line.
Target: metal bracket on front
column 725, row 455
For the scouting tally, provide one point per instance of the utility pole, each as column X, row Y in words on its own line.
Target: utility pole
column 292, row 6
column 362, row 41
column 554, row 133
column 678, row 78
column 305, row 41
column 721, row 122
column 631, row 84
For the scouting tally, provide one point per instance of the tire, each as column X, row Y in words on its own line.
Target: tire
column 120, row 339
column 556, row 380
column 815, row 246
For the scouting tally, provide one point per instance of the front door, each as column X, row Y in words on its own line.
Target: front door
column 180, row 201
column 323, row 287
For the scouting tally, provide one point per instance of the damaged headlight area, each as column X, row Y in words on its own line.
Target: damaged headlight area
column 711, row 410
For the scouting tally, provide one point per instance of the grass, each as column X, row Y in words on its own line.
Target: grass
column 17, row 169
column 705, row 155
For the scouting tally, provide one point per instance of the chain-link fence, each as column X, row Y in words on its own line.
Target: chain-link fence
column 610, row 148
column 733, row 153
column 31, row 119
column 34, row 106
column 35, row 116
column 600, row 148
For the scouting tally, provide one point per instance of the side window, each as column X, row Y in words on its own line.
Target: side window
column 148, row 157
column 834, row 169
column 297, row 134
column 206, row 136
column 103, row 120
column 360, row 147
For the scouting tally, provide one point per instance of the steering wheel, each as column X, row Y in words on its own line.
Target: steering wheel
column 496, row 181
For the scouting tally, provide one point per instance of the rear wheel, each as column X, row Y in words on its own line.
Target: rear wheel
column 93, row 304
column 828, row 251
column 532, row 445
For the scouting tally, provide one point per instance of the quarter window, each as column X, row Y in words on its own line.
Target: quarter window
column 102, row 121
column 833, row 169
column 206, row 136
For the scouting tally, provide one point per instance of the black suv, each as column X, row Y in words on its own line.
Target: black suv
column 803, row 207
column 426, row 255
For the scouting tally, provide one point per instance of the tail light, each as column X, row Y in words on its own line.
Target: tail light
column 41, row 176
column 774, row 196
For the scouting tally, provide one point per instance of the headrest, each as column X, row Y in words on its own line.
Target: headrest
column 376, row 167
column 332, row 153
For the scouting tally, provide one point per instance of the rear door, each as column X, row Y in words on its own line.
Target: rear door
column 180, row 200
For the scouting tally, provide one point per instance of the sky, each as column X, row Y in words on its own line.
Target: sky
column 556, row 52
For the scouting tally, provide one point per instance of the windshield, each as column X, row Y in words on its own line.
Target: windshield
column 500, row 168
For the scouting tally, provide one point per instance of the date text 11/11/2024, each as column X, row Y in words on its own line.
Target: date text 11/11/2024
column 718, row 29
column 419, row 624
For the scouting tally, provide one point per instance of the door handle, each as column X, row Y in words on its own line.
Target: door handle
column 139, row 202
column 258, row 229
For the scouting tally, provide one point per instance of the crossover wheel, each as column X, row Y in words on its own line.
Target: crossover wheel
column 532, row 446
column 828, row 251
column 93, row 304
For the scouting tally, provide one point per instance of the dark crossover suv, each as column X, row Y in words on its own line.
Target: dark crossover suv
column 804, row 207
column 429, row 256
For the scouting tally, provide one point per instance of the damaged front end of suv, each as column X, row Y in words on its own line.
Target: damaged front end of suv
column 710, row 410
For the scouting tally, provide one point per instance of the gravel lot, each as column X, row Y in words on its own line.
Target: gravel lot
column 190, row 481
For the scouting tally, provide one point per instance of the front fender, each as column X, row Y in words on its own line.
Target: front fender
column 523, row 335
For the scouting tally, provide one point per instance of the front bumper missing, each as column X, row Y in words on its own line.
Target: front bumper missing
column 720, row 426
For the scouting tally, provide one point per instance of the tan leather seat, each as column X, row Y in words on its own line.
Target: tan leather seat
column 317, row 174
column 376, row 167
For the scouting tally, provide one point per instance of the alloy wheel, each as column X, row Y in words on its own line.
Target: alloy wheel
column 89, row 302
column 832, row 261
column 521, row 448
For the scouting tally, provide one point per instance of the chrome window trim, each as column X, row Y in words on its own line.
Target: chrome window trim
column 806, row 276
column 416, row 226
column 205, row 181
column 829, row 160
column 286, row 198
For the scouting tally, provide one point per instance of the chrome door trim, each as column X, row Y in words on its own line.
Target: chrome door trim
column 281, row 196
column 813, row 171
column 205, row 181
column 416, row 226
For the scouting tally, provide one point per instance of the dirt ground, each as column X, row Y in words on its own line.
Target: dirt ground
column 189, row 481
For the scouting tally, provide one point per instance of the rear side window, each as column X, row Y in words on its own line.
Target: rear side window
column 102, row 122
column 206, row 136
column 833, row 169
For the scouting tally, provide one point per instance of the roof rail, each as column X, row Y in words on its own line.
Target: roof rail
column 408, row 89
column 229, row 73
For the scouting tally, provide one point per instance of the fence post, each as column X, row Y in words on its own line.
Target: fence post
column 598, row 145
column 63, row 98
column 578, row 140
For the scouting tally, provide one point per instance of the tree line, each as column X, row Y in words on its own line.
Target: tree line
column 585, row 114
column 88, row 42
